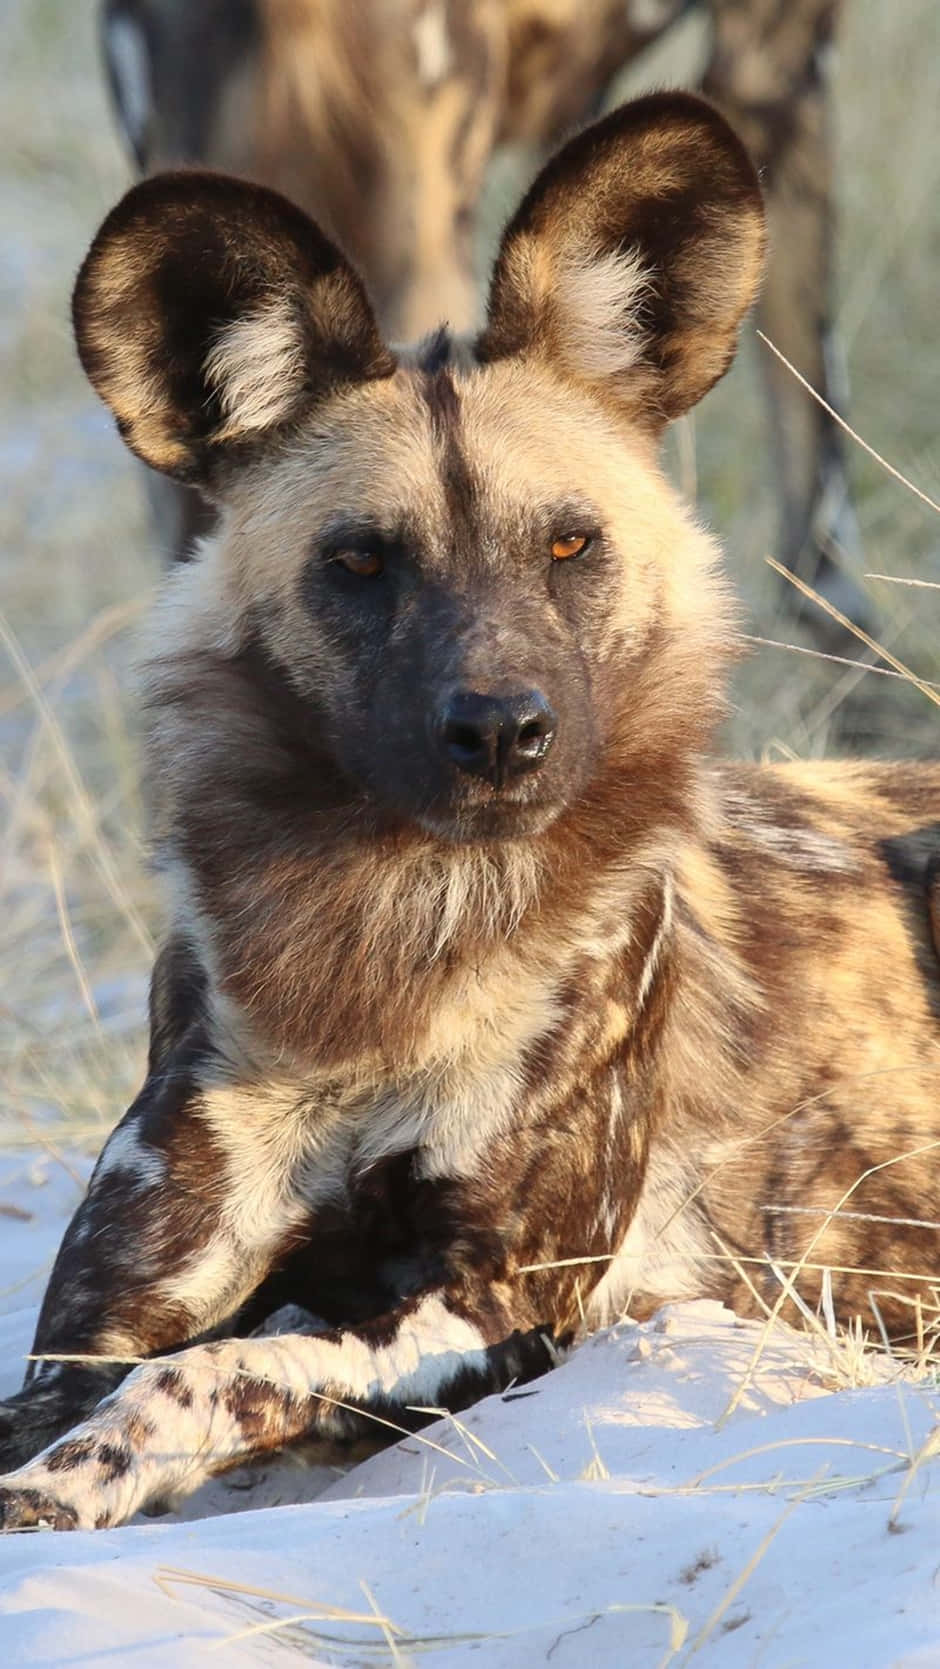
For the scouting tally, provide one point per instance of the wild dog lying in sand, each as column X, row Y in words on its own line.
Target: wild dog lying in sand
column 480, row 967
column 380, row 117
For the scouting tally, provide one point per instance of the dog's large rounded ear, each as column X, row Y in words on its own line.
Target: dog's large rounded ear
column 210, row 312
column 634, row 256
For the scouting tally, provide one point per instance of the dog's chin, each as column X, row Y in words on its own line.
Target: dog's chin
column 466, row 812
column 497, row 819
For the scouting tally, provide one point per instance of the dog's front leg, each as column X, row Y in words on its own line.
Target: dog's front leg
column 196, row 1194
column 174, row 1423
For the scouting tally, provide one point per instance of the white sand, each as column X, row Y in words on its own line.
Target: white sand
column 570, row 1526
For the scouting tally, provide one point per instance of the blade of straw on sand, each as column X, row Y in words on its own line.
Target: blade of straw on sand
column 388, row 1629
column 470, row 1439
column 929, row 1450
column 832, row 1343
column 165, row 1576
column 743, row 1575
column 898, row 1456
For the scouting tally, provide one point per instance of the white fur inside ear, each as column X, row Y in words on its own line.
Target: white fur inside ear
column 597, row 306
column 257, row 366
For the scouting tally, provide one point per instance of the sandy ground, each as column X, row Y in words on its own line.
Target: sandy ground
column 676, row 1490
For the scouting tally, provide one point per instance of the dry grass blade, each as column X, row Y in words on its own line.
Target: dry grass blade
column 899, row 1457
column 847, row 427
column 388, row 1629
column 471, row 1441
column 60, row 666
column 789, row 1280
column 68, row 938
column 762, row 1261
column 905, row 579
column 929, row 1450
column 401, row 1431
column 87, row 1356
column 50, row 1147
column 397, row 1639
column 596, row 1469
column 823, row 655
column 732, row 1592
column 848, row 1359
column 550, row 1473
column 81, row 799
column 852, row 1216
column 565, row 1263
column 857, row 631
column 167, row 1576
column 902, row 1404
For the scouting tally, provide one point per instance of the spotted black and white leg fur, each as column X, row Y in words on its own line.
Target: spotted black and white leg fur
column 177, row 1421
column 198, row 1191
column 437, row 1282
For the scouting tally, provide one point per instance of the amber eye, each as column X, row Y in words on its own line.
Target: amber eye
column 570, row 544
column 365, row 564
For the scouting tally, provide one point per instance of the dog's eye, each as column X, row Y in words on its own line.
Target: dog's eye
column 365, row 564
column 570, row 544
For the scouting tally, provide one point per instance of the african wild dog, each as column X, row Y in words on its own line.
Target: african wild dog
column 379, row 118
column 479, row 963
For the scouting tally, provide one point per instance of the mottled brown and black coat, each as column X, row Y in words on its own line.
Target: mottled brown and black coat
column 492, row 1005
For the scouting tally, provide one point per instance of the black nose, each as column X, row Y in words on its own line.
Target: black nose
column 498, row 737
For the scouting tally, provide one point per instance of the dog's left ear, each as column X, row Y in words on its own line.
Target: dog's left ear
column 210, row 313
column 634, row 257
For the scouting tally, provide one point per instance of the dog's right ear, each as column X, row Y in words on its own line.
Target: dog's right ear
column 209, row 313
column 633, row 258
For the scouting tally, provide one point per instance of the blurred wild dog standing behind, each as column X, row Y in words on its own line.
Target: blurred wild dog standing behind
column 379, row 118
column 491, row 1003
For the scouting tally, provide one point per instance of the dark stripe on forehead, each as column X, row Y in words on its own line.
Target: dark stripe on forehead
column 434, row 351
column 461, row 490
column 443, row 402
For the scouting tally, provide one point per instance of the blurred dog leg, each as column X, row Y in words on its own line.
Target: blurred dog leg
column 769, row 72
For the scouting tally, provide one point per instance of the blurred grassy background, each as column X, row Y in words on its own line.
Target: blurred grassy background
column 77, row 557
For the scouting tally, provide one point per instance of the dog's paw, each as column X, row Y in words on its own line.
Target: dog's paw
column 30, row 1421
column 33, row 1509
column 40, row 1413
column 27, row 1424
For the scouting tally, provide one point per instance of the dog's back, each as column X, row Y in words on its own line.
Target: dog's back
column 805, row 1100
